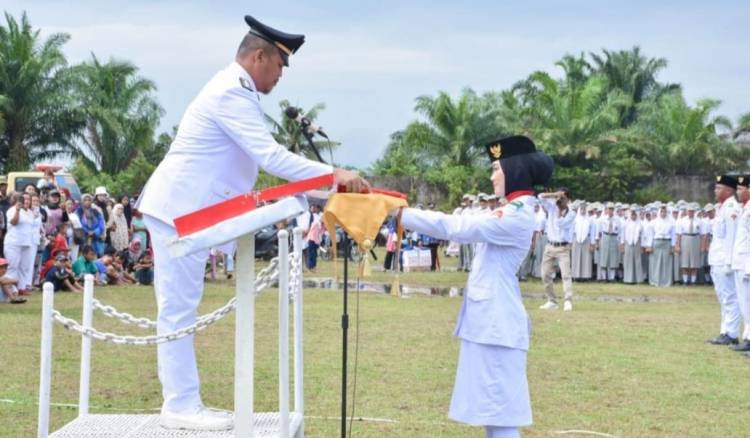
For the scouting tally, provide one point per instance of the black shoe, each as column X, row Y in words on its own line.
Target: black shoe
column 742, row 346
column 723, row 339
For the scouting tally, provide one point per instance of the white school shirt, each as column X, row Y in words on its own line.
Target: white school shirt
column 603, row 226
column 584, row 229
column 559, row 229
column 684, row 227
column 631, row 233
column 663, row 229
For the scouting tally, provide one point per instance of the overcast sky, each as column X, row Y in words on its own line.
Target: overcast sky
column 368, row 60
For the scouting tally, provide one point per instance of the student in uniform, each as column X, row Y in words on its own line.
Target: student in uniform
column 609, row 229
column 491, row 388
column 582, row 252
column 720, row 259
column 660, row 261
column 741, row 259
column 221, row 144
column 630, row 246
column 688, row 245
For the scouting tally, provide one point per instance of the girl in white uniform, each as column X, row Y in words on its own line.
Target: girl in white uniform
column 491, row 388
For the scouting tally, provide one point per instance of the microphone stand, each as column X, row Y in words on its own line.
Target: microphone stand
column 345, row 330
column 309, row 137
column 345, row 313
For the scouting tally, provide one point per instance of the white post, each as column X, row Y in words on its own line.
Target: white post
column 45, row 368
column 284, row 333
column 87, row 318
column 299, row 405
column 244, row 337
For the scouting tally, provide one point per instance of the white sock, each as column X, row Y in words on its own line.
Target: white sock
column 611, row 274
column 684, row 278
column 694, row 278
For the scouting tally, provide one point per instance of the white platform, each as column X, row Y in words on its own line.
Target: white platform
column 266, row 424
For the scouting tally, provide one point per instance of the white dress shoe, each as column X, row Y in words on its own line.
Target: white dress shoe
column 549, row 305
column 200, row 418
column 568, row 306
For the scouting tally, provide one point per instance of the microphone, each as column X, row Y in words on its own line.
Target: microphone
column 307, row 125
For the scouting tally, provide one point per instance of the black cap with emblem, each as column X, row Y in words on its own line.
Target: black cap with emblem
column 727, row 180
column 743, row 181
column 524, row 167
column 287, row 43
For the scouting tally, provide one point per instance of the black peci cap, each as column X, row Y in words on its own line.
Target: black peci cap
column 743, row 180
column 287, row 43
column 727, row 180
column 509, row 146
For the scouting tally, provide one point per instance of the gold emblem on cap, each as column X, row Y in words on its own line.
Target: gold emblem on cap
column 496, row 151
column 283, row 48
column 718, row 178
column 741, row 180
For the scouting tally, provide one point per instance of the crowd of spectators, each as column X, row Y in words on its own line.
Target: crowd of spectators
column 47, row 237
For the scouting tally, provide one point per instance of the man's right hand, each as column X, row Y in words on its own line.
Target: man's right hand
column 353, row 182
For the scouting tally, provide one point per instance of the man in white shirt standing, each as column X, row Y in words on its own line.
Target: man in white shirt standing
column 706, row 232
column 720, row 259
column 560, row 222
column 221, row 143
column 741, row 259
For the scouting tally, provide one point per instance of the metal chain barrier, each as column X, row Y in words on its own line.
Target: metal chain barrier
column 265, row 278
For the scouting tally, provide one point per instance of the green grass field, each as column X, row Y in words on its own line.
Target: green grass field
column 629, row 369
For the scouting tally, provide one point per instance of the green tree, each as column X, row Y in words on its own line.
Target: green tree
column 288, row 132
column 40, row 119
column 121, row 113
column 677, row 139
column 635, row 75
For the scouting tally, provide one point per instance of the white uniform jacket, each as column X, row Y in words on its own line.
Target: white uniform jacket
column 220, row 144
column 723, row 227
column 492, row 311
column 741, row 252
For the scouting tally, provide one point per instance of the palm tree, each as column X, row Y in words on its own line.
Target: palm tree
column 289, row 133
column 121, row 113
column 574, row 119
column 40, row 119
column 635, row 75
column 677, row 139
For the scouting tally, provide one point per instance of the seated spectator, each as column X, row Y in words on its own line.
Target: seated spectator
column 86, row 264
column 120, row 263
column 110, row 268
column 9, row 285
column 61, row 275
column 144, row 269
column 51, row 261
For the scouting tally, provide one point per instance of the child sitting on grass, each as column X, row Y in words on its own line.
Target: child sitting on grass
column 144, row 269
column 9, row 285
column 61, row 275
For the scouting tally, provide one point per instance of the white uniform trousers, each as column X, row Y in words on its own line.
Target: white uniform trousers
column 742, row 286
column 723, row 278
column 30, row 260
column 179, row 288
column 17, row 257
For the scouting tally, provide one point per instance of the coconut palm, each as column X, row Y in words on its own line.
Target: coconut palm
column 634, row 74
column 574, row 119
column 678, row 139
column 39, row 117
column 121, row 113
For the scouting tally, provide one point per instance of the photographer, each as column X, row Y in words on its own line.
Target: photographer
column 560, row 222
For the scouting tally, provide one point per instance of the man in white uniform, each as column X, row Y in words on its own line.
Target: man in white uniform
column 720, row 259
column 221, row 143
column 741, row 259
column 491, row 388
